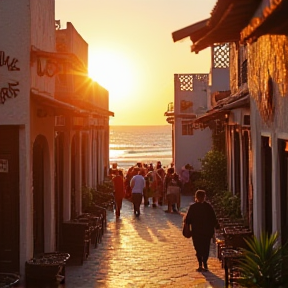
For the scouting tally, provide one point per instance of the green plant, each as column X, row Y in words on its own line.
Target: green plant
column 264, row 264
column 87, row 197
column 227, row 204
column 213, row 173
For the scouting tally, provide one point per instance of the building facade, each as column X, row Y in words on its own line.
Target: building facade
column 189, row 100
column 256, row 130
column 54, row 129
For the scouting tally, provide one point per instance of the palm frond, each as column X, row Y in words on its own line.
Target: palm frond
column 264, row 263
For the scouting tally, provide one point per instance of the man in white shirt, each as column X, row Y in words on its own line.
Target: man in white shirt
column 137, row 184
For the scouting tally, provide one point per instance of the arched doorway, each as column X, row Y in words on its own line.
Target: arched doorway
column 40, row 150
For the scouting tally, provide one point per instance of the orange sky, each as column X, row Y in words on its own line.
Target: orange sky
column 131, row 51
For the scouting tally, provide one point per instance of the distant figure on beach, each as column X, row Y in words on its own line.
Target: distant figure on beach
column 119, row 191
column 137, row 185
column 185, row 178
column 203, row 220
column 173, row 190
column 132, row 171
column 155, row 186
column 167, row 179
column 161, row 172
column 113, row 170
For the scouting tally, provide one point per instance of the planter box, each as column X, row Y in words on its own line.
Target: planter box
column 46, row 268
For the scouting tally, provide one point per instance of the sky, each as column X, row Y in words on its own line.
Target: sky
column 132, row 54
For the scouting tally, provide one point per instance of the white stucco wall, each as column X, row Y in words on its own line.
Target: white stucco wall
column 22, row 24
column 15, row 29
column 269, row 53
column 189, row 148
column 15, row 44
column 220, row 79
column 43, row 38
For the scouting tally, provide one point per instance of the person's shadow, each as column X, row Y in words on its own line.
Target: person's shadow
column 214, row 280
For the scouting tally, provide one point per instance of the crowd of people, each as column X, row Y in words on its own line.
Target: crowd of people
column 154, row 185
column 164, row 186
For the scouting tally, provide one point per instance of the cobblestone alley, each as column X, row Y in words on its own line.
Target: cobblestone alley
column 146, row 251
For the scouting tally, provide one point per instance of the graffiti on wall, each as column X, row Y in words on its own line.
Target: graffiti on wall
column 9, row 89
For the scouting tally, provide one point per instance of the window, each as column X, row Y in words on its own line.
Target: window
column 187, row 129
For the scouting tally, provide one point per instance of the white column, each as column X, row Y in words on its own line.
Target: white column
column 26, row 198
column 258, row 202
column 67, row 176
column 276, row 193
column 89, row 157
column 78, row 176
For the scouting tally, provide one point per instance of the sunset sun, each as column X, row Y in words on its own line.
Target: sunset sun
column 113, row 71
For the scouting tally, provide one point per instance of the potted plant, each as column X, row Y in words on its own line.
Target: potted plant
column 264, row 263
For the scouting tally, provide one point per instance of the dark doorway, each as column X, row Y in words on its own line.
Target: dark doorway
column 237, row 162
column 267, row 183
column 38, row 195
column 9, row 199
column 245, row 145
column 283, row 160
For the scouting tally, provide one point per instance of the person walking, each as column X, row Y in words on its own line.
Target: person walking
column 119, row 191
column 137, row 184
column 202, row 218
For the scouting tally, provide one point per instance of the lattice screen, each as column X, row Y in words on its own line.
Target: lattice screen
column 185, row 81
column 201, row 77
column 221, row 56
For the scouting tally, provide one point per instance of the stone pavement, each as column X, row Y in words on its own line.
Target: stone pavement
column 143, row 252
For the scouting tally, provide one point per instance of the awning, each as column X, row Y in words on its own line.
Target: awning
column 90, row 107
column 228, row 19
column 52, row 63
column 180, row 115
column 237, row 100
column 209, row 116
column 48, row 100
column 52, row 102
column 241, row 97
column 271, row 19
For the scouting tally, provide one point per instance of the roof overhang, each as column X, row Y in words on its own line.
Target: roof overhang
column 194, row 31
column 228, row 19
column 272, row 19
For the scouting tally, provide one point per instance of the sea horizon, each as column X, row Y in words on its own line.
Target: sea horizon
column 130, row 144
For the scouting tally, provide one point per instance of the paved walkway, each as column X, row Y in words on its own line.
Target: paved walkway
column 144, row 252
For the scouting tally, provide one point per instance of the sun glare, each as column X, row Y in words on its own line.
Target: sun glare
column 112, row 71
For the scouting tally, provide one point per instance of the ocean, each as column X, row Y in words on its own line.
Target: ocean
column 147, row 144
